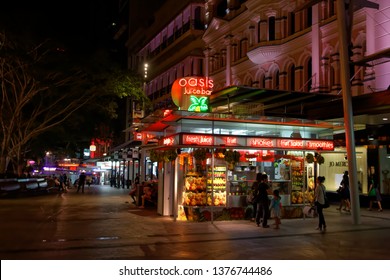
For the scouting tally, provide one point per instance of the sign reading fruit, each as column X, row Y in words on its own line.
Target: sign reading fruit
column 192, row 93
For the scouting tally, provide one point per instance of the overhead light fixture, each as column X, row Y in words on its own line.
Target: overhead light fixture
column 385, row 119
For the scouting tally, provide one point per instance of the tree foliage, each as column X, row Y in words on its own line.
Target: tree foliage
column 41, row 89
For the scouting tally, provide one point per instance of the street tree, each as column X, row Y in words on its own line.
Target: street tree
column 40, row 90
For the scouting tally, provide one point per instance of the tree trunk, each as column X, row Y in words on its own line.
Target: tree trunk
column 3, row 164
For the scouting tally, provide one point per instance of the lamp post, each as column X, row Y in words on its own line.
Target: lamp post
column 347, row 104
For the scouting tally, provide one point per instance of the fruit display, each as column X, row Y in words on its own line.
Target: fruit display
column 194, row 199
column 216, row 186
column 299, row 197
column 297, row 175
column 197, row 193
column 219, row 199
column 195, row 183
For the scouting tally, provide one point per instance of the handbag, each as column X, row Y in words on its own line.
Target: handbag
column 372, row 192
column 326, row 204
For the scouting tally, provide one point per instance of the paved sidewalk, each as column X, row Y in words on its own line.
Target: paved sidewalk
column 102, row 223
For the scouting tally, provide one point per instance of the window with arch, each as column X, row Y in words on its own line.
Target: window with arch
column 309, row 17
column 200, row 64
column 308, row 76
column 243, row 47
column 291, row 23
column 261, row 81
column 271, row 28
column 331, row 78
column 223, row 58
column 221, row 9
column 275, row 80
column 291, row 77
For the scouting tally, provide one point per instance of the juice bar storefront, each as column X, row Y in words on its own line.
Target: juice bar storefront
column 219, row 155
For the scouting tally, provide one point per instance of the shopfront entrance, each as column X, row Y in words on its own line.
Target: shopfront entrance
column 218, row 157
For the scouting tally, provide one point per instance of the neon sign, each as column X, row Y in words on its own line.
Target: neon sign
column 198, row 104
column 169, row 141
column 137, row 136
column 291, row 144
column 261, row 142
column 192, row 93
column 319, row 145
column 198, row 139
column 230, row 140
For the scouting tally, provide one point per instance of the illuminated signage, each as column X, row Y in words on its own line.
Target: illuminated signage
column 192, row 93
column 230, row 141
column 319, row 145
column 198, row 139
column 290, row 144
column 138, row 136
column 261, row 142
column 169, row 141
column 68, row 164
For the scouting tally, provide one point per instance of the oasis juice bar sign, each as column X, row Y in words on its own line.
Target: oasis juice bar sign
column 192, row 93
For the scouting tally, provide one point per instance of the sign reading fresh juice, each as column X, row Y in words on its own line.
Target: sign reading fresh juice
column 192, row 139
column 192, row 93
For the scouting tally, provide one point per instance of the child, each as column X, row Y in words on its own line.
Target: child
column 275, row 208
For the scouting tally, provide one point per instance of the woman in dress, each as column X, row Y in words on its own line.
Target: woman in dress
column 319, row 194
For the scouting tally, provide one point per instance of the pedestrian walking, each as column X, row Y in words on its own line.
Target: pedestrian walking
column 81, row 183
column 344, row 193
column 63, row 181
column 252, row 197
column 262, row 214
column 374, row 193
column 320, row 197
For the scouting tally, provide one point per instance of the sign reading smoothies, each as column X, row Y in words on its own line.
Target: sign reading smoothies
column 192, row 93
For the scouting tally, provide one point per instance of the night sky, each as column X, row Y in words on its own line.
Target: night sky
column 79, row 24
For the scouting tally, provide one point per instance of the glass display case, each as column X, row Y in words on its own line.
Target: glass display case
column 237, row 193
column 216, row 185
column 194, row 193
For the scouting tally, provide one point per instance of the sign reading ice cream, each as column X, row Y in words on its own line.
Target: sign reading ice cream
column 192, row 93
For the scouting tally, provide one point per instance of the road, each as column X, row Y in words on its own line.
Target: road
column 102, row 224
